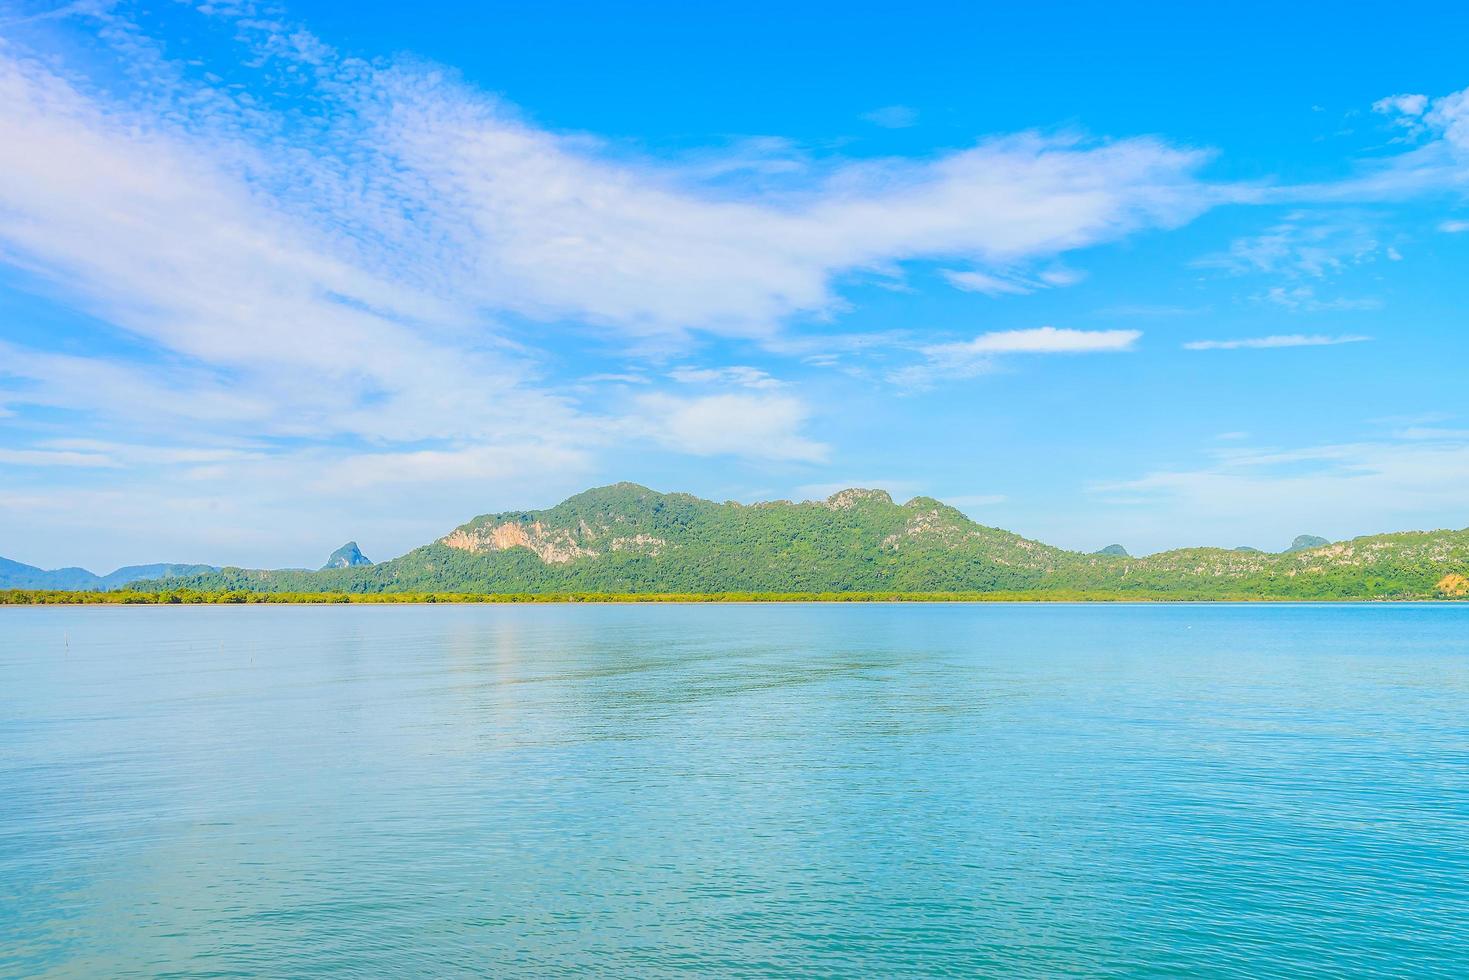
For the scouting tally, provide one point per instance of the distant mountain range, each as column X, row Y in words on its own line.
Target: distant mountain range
column 15, row 575
column 630, row 539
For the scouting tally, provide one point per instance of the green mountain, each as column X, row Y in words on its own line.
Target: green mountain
column 1305, row 542
column 629, row 539
column 1115, row 550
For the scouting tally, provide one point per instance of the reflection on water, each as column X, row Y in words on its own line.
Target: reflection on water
column 756, row 790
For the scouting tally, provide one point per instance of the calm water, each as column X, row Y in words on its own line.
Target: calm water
column 738, row 790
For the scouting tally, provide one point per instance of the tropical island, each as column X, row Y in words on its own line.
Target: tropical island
column 626, row 542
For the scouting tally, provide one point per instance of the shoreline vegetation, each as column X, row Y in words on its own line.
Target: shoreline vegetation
column 192, row 597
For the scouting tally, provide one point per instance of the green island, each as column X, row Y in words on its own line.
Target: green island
column 627, row 543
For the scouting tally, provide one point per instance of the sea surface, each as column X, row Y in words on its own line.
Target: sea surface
column 735, row 790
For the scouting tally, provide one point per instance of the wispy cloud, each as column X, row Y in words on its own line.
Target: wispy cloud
column 971, row 358
column 1305, row 245
column 504, row 215
column 1439, row 160
column 1406, row 111
column 973, row 281
column 1277, row 340
column 1043, row 340
column 1303, row 299
column 740, row 375
column 1010, row 282
column 53, row 457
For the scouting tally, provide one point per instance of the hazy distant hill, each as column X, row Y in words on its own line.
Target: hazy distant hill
column 627, row 538
column 14, row 575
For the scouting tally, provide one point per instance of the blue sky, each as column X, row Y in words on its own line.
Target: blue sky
column 276, row 277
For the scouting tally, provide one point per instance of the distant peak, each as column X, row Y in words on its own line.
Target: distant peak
column 856, row 495
column 1115, row 550
column 1305, row 542
column 347, row 556
column 612, row 492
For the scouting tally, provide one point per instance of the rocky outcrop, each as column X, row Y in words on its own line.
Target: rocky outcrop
column 347, row 556
column 847, row 499
column 554, row 546
column 1453, row 586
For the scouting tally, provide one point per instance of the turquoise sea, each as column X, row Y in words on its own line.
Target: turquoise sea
column 741, row 790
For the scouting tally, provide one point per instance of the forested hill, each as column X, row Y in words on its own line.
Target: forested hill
column 629, row 539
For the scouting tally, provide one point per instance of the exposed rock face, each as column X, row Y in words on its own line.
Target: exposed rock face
column 554, row 546
column 1453, row 585
column 1115, row 550
column 855, row 496
column 347, row 556
column 929, row 525
column 639, row 542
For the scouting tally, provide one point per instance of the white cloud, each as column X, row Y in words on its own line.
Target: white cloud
column 1044, row 340
column 1009, row 282
column 741, row 375
column 52, row 457
column 1278, row 340
column 755, row 426
column 1303, row 299
column 1304, row 245
column 1440, row 162
column 973, row 281
column 1454, row 227
column 1061, row 276
column 426, row 200
column 1406, row 105
column 615, row 378
column 971, row 358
